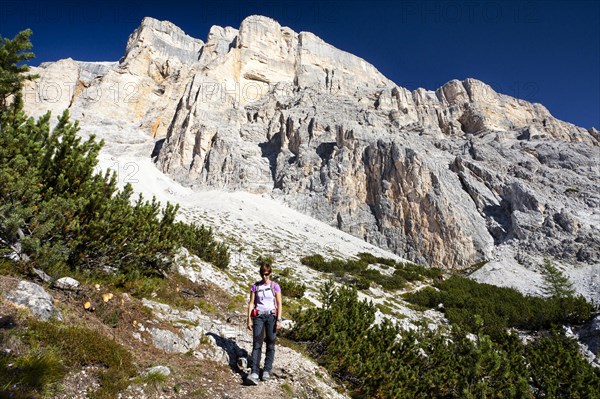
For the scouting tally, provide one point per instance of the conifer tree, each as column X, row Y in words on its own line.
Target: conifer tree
column 12, row 53
column 557, row 284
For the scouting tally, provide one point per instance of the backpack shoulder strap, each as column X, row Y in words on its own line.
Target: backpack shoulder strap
column 274, row 294
column 255, row 285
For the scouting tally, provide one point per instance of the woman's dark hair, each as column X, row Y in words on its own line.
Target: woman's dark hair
column 265, row 268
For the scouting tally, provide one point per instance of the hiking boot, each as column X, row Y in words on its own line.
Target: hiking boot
column 253, row 379
column 266, row 376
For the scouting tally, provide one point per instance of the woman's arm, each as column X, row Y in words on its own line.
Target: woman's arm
column 250, row 307
column 279, row 309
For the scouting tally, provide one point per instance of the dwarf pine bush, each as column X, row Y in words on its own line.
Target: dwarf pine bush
column 356, row 272
column 500, row 308
column 383, row 361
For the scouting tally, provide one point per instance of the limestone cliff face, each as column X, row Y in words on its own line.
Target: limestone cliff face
column 139, row 91
column 441, row 177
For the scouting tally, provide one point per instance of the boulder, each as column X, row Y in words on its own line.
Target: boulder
column 66, row 283
column 35, row 298
column 589, row 334
column 161, row 370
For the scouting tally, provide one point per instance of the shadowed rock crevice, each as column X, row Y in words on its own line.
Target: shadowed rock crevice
column 499, row 221
column 157, row 147
column 325, row 151
column 270, row 150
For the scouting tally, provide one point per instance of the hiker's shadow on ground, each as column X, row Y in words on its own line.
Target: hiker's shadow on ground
column 235, row 354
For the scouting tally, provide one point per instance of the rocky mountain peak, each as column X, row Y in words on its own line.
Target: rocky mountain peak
column 259, row 31
column 218, row 43
column 445, row 177
column 262, row 53
column 165, row 39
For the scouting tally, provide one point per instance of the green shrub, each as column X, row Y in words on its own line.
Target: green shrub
column 428, row 297
column 382, row 361
column 414, row 272
column 367, row 257
column 499, row 307
column 314, row 261
column 353, row 266
column 557, row 370
column 393, row 282
column 287, row 272
column 61, row 212
column 358, row 274
column 371, row 275
column 200, row 241
column 264, row 259
column 291, row 288
column 386, row 261
column 65, row 215
column 359, row 282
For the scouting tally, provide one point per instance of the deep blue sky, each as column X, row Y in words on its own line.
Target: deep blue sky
column 547, row 52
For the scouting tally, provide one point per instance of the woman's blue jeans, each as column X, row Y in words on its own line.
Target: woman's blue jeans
column 261, row 324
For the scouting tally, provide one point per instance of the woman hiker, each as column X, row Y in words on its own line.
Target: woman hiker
column 264, row 315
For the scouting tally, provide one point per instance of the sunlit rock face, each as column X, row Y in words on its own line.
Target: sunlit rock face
column 140, row 90
column 441, row 177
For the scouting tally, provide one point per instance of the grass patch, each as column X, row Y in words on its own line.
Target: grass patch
column 30, row 374
column 298, row 347
column 174, row 290
column 11, row 268
column 186, row 322
column 199, row 393
column 385, row 309
column 238, row 302
column 291, row 305
column 109, row 314
column 206, row 306
column 287, row 390
column 52, row 350
column 154, row 379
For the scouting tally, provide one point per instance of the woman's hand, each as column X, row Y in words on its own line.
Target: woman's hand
column 278, row 326
column 249, row 325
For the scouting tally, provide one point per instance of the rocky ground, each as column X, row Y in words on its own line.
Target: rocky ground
column 200, row 350
column 197, row 351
